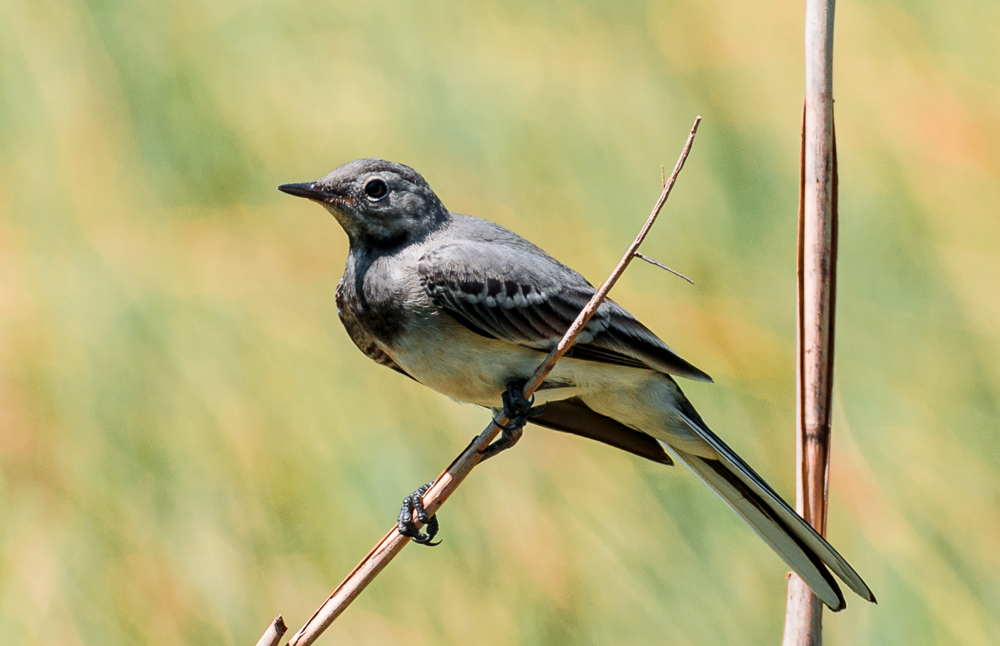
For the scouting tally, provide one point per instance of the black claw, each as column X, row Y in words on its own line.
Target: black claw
column 432, row 530
column 414, row 505
column 515, row 424
column 514, row 403
column 517, row 410
column 535, row 411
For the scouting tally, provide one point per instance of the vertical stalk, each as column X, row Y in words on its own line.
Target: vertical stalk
column 817, row 264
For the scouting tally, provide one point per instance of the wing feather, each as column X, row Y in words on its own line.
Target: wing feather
column 574, row 416
column 530, row 299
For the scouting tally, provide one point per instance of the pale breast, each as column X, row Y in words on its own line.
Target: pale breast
column 444, row 355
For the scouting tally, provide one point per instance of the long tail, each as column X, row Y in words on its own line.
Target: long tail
column 791, row 537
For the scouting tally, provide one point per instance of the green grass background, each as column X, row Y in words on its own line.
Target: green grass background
column 190, row 444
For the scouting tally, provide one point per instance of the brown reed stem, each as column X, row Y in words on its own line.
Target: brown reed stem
column 817, row 270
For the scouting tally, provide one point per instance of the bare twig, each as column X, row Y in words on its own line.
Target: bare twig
column 817, row 274
column 272, row 636
column 452, row 477
column 659, row 264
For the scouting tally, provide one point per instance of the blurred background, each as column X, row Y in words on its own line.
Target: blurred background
column 190, row 444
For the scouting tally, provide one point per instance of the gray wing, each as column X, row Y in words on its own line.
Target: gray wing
column 519, row 294
column 365, row 341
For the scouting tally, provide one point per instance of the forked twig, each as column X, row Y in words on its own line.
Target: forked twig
column 659, row 264
column 452, row 477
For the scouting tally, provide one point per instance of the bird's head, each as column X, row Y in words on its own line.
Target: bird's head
column 378, row 202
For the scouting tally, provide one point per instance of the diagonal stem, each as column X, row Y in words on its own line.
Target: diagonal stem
column 272, row 636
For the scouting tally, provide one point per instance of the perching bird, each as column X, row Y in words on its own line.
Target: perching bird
column 469, row 308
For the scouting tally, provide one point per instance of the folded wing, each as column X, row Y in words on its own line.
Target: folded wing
column 531, row 299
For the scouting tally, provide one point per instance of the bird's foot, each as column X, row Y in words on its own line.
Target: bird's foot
column 517, row 410
column 414, row 504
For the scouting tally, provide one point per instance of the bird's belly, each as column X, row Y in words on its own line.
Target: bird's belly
column 463, row 365
column 471, row 368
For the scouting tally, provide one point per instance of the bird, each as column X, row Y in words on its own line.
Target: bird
column 470, row 309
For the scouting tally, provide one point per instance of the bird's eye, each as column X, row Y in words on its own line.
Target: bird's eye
column 376, row 189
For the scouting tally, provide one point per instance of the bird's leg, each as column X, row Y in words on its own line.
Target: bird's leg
column 517, row 410
column 414, row 504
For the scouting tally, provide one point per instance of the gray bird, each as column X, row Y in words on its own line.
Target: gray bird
column 469, row 308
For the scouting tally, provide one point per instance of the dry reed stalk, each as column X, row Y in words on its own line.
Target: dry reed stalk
column 817, row 270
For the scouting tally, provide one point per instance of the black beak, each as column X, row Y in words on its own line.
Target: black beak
column 306, row 190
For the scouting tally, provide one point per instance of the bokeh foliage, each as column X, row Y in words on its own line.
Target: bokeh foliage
column 189, row 443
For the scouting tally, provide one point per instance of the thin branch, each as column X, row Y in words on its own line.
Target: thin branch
column 816, row 300
column 452, row 477
column 659, row 264
column 272, row 636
